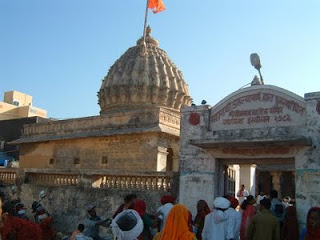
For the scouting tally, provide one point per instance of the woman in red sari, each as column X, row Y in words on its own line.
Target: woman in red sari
column 140, row 206
column 290, row 229
column 248, row 211
column 17, row 228
column 198, row 223
column 313, row 225
column 48, row 232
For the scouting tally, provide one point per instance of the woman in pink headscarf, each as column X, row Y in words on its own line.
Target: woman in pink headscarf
column 140, row 206
column 248, row 211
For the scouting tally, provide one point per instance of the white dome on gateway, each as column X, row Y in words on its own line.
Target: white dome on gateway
column 143, row 76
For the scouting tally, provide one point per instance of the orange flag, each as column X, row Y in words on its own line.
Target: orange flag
column 157, row 5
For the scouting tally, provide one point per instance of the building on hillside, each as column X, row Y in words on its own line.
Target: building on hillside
column 139, row 123
column 19, row 105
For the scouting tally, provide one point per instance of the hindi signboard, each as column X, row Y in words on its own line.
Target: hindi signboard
column 257, row 107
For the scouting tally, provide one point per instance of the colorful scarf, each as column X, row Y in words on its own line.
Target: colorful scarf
column 177, row 227
column 199, row 220
column 21, row 229
column 313, row 234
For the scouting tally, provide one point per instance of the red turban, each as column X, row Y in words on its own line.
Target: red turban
column 140, row 206
column 312, row 233
column 167, row 199
column 234, row 202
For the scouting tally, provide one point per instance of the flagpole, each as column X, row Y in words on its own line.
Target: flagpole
column 145, row 23
column 144, row 45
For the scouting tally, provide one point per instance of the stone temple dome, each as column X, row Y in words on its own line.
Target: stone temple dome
column 143, row 76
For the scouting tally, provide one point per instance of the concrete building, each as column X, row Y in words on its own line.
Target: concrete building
column 10, row 130
column 261, row 127
column 19, row 105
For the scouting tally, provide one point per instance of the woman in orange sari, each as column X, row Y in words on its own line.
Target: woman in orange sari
column 248, row 211
column 177, row 225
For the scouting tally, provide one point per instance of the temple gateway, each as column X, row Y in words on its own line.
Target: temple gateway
column 263, row 136
column 149, row 140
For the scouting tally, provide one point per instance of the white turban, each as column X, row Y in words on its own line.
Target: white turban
column 127, row 235
column 221, row 202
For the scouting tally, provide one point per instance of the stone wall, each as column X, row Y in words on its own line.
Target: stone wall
column 67, row 204
column 66, row 200
column 308, row 161
column 197, row 168
column 125, row 152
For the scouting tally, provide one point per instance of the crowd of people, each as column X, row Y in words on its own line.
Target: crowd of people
column 266, row 219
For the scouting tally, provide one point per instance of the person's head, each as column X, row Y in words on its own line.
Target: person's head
column 177, row 224
column 127, row 225
column 81, row 227
column 167, row 199
column 130, row 198
column 7, row 208
column 313, row 219
column 202, row 206
column 287, row 199
column 250, row 200
column 273, row 194
column 233, row 201
column 140, row 206
column 221, row 203
column 261, row 193
column 2, row 196
column 242, row 187
column 91, row 209
column 265, row 203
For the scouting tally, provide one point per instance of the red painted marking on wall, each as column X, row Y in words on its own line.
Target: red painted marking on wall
column 194, row 119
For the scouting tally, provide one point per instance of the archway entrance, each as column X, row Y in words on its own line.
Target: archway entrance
column 258, row 176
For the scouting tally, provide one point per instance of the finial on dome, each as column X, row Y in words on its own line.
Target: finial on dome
column 146, row 41
column 149, row 30
column 149, row 39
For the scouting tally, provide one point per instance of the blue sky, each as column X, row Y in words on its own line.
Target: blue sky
column 58, row 51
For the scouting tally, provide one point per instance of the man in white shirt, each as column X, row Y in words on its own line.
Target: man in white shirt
column 242, row 194
column 233, row 220
column 167, row 202
column 215, row 223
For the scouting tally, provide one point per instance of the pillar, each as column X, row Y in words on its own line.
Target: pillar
column 162, row 159
column 307, row 160
column 248, row 177
column 197, row 167
column 276, row 181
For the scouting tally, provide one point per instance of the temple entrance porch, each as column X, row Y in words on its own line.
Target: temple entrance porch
column 258, row 176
